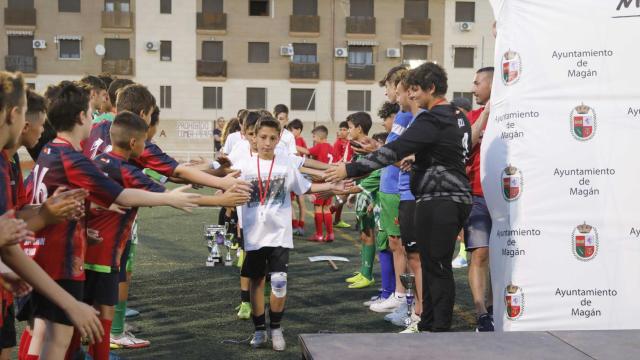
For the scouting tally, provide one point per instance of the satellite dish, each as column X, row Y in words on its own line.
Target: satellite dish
column 100, row 50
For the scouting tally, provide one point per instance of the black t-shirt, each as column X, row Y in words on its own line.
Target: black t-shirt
column 441, row 140
column 217, row 144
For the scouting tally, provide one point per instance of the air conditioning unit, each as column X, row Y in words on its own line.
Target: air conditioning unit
column 465, row 26
column 152, row 45
column 286, row 50
column 393, row 53
column 39, row 44
column 341, row 53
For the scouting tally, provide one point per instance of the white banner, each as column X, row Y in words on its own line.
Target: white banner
column 558, row 165
column 194, row 129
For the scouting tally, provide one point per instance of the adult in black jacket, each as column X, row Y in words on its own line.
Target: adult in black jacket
column 440, row 139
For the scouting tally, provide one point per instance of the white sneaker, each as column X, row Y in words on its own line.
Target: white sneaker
column 399, row 311
column 128, row 341
column 259, row 339
column 459, row 262
column 374, row 299
column 277, row 340
column 388, row 305
column 413, row 327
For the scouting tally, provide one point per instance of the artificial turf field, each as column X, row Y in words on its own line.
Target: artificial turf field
column 188, row 309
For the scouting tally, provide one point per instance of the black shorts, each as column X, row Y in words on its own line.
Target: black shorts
column 24, row 307
column 122, row 277
column 8, row 331
column 259, row 263
column 406, row 215
column 101, row 288
column 45, row 309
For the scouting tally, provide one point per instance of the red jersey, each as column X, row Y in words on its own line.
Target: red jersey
column 63, row 245
column 5, row 205
column 155, row 159
column 99, row 140
column 322, row 152
column 342, row 150
column 473, row 165
column 18, row 192
column 114, row 228
column 300, row 142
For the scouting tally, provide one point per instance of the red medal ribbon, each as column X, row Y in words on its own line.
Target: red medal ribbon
column 262, row 193
column 438, row 102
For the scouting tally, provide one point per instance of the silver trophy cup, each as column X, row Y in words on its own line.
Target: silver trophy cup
column 409, row 282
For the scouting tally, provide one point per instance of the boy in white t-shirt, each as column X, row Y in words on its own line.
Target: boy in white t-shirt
column 267, row 228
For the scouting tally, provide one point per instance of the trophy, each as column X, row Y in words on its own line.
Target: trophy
column 228, row 242
column 214, row 236
column 409, row 282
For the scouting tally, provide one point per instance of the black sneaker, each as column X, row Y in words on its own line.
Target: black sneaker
column 490, row 310
column 485, row 323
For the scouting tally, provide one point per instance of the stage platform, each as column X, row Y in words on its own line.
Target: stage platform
column 560, row 345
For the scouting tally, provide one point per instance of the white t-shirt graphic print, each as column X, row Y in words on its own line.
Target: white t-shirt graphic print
column 273, row 227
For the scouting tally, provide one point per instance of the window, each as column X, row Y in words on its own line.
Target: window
column 415, row 52
column 20, row 4
column 258, row 7
column 116, row 5
column 416, row 9
column 165, row 6
column 465, row 11
column 212, row 50
column 21, row 46
column 305, row 53
column 212, row 97
column 359, row 100
column 463, row 57
column 69, row 49
column 258, row 52
column 305, row 7
column 463, row 94
column 361, row 8
column 116, row 49
column 69, row 6
column 165, row 97
column 165, row 50
column 256, row 98
column 303, row 99
column 31, row 86
column 212, row 6
column 360, row 55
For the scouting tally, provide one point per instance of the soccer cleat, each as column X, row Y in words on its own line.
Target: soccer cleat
column 389, row 305
column 129, row 341
column 277, row 340
column 329, row 237
column 113, row 346
column 244, row 310
column 316, row 238
column 362, row 283
column 131, row 313
column 356, row 276
column 399, row 312
column 259, row 339
column 341, row 225
column 459, row 262
column 485, row 323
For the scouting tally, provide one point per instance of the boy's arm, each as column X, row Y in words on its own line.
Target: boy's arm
column 198, row 177
column 303, row 150
column 229, row 198
column 176, row 198
column 315, row 164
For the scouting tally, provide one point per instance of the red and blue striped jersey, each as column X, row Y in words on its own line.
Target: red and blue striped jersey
column 18, row 192
column 6, row 203
column 155, row 159
column 99, row 140
column 114, row 228
column 63, row 245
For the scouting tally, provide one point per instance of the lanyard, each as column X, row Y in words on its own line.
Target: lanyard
column 263, row 194
column 438, row 102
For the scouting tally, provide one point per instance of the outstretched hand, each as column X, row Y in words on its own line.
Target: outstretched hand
column 232, row 181
column 182, row 200
column 13, row 231
column 336, row 173
column 367, row 145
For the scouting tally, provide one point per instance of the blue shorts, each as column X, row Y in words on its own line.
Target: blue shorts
column 478, row 227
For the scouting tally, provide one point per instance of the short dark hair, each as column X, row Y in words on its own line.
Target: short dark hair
column 343, row 125
column 381, row 137
column 36, row 103
column 135, row 98
column 93, row 82
column 155, row 116
column 392, row 75
column 462, row 103
column 486, row 69
column 388, row 109
column 295, row 124
column 322, row 130
column 268, row 121
column 125, row 126
column 116, row 85
column 106, row 78
column 67, row 101
column 280, row 108
column 429, row 75
column 362, row 120
column 11, row 90
column 252, row 119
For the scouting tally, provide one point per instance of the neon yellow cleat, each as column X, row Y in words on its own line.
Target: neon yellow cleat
column 342, row 225
column 362, row 283
column 356, row 276
column 244, row 311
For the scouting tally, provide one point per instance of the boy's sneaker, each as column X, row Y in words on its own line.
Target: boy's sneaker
column 459, row 262
column 362, row 283
column 341, row 225
column 277, row 340
column 244, row 310
column 330, row 237
column 259, row 339
column 316, row 238
column 389, row 305
column 374, row 299
column 129, row 341
column 356, row 276
column 485, row 323
column 399, row 312
column 413, row 327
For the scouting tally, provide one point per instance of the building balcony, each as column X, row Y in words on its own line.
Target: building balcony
column 361, row 25
column 25, row 64
column 419, row 27
column 19, row 17
column 304, row 71
column 360, row 72
column 211, row 21
column 117, row 20
column 206, row 68
column 304, row 24
column 117, row 67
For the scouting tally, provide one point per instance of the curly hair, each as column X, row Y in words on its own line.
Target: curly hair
column 427, row 76
column 388, row 109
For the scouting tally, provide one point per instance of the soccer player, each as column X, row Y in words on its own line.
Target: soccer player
column 268, row 236
column 281, row 113
column 112, row 92
column 232, row 134
column 99, row 96
column 342, row 152
column 297, row 222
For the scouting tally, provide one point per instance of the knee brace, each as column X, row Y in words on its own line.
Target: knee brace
column 279, row 284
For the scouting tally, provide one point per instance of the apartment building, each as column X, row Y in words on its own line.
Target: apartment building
column 208, row 58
